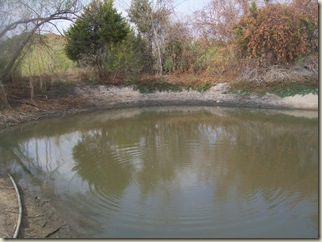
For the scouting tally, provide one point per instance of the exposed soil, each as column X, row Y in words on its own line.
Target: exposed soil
column 39, row 219
column 8, row 207
column 63, row 101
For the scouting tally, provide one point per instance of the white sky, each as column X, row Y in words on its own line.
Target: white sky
column 182, row 8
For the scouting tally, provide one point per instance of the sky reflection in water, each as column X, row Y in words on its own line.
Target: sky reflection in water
column 174, row 172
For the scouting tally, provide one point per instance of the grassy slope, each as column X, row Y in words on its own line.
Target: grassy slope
column 47, row 57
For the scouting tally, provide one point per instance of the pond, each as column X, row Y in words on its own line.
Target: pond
column 176, row 172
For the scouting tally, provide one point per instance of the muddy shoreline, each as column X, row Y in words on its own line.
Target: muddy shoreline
column 39, row 218
column 95, row 98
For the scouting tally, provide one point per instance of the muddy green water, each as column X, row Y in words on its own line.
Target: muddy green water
column 184, row 172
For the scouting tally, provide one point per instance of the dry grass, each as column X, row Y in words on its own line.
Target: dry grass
column 303, row 69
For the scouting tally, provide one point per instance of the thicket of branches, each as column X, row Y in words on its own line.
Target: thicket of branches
column 225, row 40
column 20, row 20
column 276, row 34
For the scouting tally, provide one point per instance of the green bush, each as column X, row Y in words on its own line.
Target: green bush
column 202, row 87
column 125, row 58
column 99, row 26
column 280, row 88
column 160, row 84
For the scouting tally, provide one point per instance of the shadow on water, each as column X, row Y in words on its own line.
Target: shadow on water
column 176, row 172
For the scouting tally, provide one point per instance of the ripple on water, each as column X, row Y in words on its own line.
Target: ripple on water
column 216, row 176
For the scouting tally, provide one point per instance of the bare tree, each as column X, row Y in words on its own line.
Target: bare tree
column 151, row 19
column 19, row 17
column 217, row 20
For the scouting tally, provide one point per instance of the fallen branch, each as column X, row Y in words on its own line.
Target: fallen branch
column 47, row 220
column 7, row 236
column 31, row 102
column 36, row 216
column 53, row 232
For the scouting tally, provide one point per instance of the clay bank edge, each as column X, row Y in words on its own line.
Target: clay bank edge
column 102, row 97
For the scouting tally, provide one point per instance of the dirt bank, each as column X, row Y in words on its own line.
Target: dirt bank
column 39, row 219
column 63, row 101
column 8, row 207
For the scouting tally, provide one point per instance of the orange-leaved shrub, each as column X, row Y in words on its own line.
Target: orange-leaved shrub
column 275, row 34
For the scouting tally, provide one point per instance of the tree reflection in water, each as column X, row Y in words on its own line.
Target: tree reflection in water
column 234, row 157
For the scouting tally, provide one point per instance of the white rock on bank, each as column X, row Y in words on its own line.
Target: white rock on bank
column 298, row 101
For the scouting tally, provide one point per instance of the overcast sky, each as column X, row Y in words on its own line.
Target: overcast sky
column 181, row 6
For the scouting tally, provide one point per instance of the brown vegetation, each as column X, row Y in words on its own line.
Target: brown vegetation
column 275, row 34
column 230, row 41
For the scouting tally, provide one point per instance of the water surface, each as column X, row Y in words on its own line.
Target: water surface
column 194, row 172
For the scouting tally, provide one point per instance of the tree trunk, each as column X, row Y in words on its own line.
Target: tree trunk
column 16, row 55
column 4, row 103
column 159, row 54
column 32, row 89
